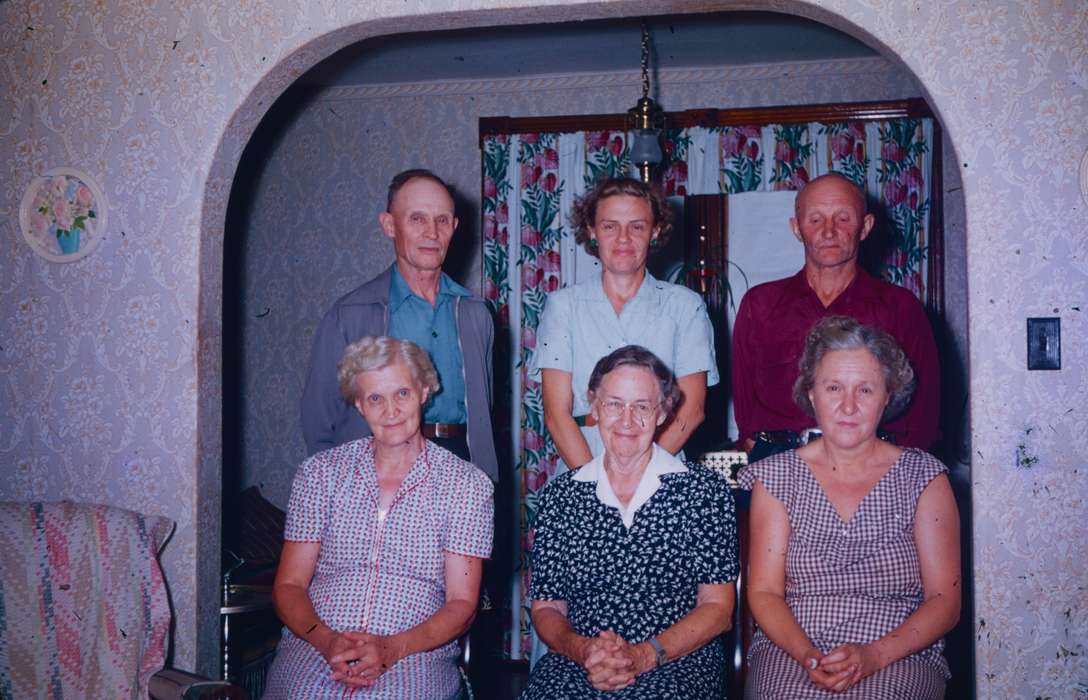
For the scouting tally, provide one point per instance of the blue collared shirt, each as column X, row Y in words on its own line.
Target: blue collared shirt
column 433, row 328
column 579, row 327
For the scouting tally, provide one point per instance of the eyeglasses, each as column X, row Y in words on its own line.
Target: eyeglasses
column 641, row 410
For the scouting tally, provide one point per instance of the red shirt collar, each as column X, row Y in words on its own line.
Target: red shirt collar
column 863, row 285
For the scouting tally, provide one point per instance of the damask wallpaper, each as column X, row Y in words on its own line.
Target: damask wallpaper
column 311, row 232
column 111, row 367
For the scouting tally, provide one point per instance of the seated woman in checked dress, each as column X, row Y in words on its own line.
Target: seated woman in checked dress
column 854, row 575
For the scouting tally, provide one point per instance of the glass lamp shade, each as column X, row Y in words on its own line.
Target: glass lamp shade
column 646, row 146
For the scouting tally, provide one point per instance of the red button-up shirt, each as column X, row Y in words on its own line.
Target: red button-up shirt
column 769, row 337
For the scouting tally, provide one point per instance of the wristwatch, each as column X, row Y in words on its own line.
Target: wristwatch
column 659, row 652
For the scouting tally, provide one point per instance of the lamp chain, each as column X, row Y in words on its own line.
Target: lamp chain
column 645, row 60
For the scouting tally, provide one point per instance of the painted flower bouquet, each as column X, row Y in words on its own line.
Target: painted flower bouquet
column 62, row 208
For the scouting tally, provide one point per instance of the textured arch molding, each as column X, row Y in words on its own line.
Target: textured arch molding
column 565, row 81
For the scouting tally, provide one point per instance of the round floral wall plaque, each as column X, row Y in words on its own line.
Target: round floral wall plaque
column 63, row 215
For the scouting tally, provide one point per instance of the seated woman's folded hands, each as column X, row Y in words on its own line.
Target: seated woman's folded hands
column 365, row 660
column 610, row 662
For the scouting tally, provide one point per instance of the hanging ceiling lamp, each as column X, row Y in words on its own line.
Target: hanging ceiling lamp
column 646, row 120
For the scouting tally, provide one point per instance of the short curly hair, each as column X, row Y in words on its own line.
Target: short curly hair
column 845, row 333
column 374, row 352
column 584, row 213
column 638, row 356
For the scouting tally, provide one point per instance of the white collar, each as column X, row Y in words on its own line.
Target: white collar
column 661, row 462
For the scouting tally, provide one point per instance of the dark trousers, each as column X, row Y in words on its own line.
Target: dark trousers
column 763, row 449
column 457, row 445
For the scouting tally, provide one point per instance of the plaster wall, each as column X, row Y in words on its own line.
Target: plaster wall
column 110, row 367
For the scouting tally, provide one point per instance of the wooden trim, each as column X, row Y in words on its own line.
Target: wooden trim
column 935, row 258
column 754, row 116
column 710, row 212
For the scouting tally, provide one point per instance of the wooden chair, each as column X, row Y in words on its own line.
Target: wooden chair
column 739, row 638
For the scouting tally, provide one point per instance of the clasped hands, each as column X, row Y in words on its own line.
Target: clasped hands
column 359, row 659
column 611, row 662
column 841, row 668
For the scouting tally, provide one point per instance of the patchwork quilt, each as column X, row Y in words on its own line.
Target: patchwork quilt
column 83, row 605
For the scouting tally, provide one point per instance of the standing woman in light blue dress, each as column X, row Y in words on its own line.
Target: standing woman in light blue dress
column 621, row 221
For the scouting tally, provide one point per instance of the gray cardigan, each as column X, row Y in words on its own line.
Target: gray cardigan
column 328, row 420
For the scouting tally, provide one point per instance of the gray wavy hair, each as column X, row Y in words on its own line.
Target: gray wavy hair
column 374, row 352
column 845, row 333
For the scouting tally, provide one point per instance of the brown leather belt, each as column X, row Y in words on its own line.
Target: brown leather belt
column 586, row 421
column 443, row 430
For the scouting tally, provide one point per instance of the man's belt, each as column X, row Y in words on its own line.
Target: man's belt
column 789, row 438
column 443, row 430
column 792, row 438
column 586, row 421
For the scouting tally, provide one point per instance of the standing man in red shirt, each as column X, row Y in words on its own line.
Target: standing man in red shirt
column 774, row 318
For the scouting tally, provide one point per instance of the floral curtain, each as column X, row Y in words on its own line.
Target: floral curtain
column 523, row 183
column 742, row 159
column 905, row 173
column 529, row 187
column 674, row 178
column 606, row 156
column 892, row 160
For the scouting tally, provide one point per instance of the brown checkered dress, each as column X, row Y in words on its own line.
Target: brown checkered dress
column 848, row 583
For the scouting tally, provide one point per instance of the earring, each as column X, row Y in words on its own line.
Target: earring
column 654, row 243
column 593, row 245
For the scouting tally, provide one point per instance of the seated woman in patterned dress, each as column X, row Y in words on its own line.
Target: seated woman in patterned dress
column 634, row 555
column 854, row 575
column 385, row 541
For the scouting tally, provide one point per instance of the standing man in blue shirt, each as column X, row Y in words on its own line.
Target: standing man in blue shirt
column 412, row 300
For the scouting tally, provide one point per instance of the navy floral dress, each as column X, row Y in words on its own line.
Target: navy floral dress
column 635, row 582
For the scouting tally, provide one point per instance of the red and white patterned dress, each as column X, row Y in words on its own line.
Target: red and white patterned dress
column 848, row 583
column 381, row 575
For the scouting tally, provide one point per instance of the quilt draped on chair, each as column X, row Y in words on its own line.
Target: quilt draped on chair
column 83, row 604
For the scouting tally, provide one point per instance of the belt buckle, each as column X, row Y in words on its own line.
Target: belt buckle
column 780, row 437
column 441, row 430
column 809, row 434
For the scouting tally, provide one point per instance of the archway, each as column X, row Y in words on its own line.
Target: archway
column 232, row 141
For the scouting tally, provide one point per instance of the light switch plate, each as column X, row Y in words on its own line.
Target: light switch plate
column 1044, row 343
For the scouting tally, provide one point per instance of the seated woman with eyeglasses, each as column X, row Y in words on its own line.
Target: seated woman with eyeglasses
column 634, row 555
